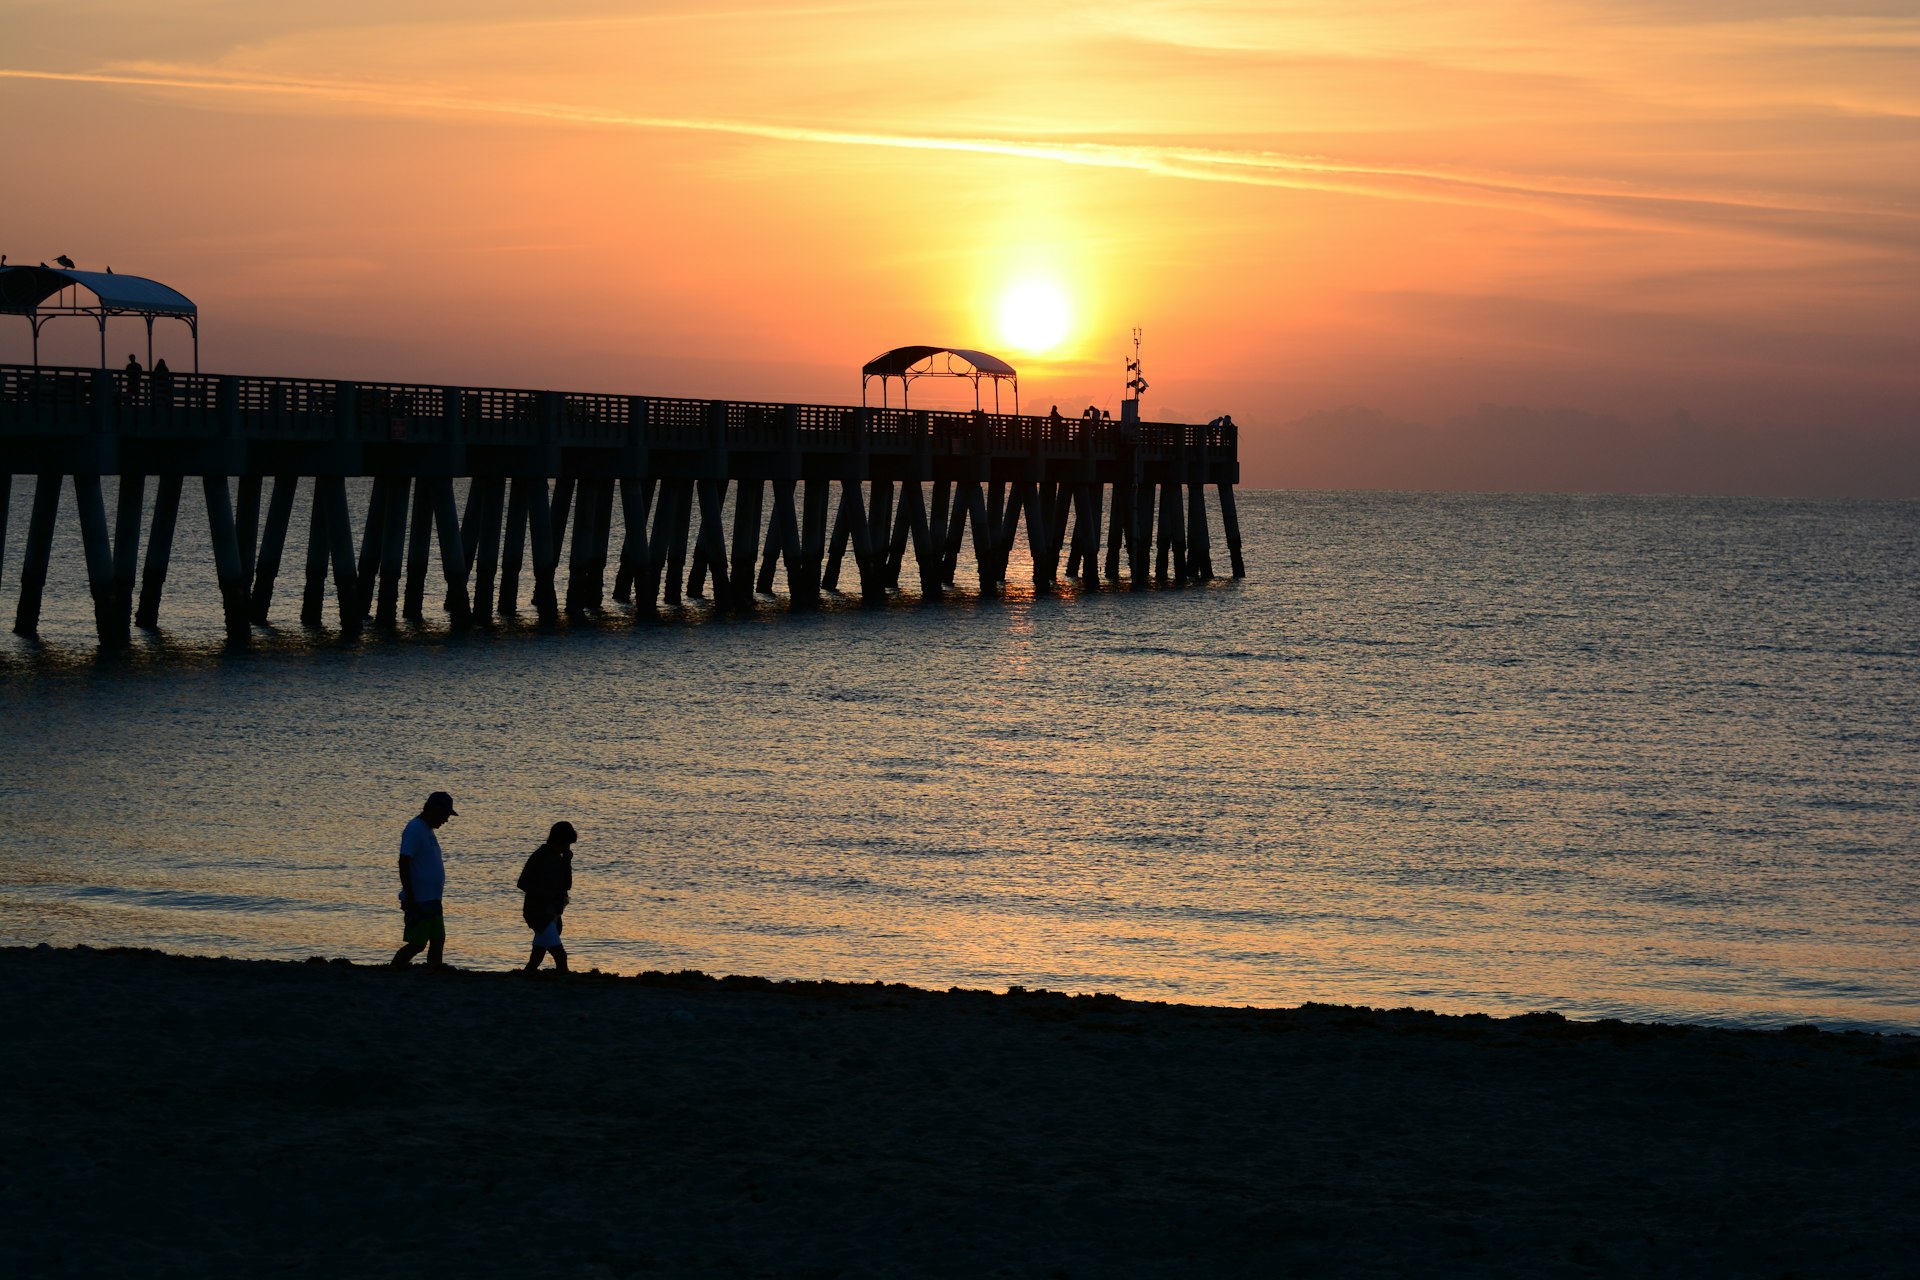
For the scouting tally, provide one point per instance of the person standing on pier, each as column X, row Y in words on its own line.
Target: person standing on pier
column 132, row 374
column 547, row 880
column 423, row 879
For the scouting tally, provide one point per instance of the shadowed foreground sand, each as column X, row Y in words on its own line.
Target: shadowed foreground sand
column 166, row 1116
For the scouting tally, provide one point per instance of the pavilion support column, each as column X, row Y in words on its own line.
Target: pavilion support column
column 586, row 520
column 129, row 506
column 546, row 603
column 38, row 553
column 513, row 547
column 313, row 596
column 393, row 552
column 226, row 559
column 1119, row 526
column 273, row 545
column 1230, row 523
column 346, row 586
column 486, row 560
column 677, row 540
column 453, row 556
column 97, row 542
column 713, row 539
column 419, row 552
column 246, row 521
column 367, row 571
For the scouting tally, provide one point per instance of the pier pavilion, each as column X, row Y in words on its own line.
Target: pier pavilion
column 1124, row 501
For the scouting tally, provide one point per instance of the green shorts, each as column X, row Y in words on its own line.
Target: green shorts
column 425, row 923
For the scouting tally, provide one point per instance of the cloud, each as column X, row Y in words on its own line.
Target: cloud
column 1887, row 230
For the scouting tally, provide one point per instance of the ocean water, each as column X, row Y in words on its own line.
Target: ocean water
column 1650, row 758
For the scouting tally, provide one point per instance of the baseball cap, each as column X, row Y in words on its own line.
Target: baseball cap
column 441, row 800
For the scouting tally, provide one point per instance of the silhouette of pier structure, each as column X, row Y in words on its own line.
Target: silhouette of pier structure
column 804, row 489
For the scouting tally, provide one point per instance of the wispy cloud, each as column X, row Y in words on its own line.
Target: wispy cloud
column 1890, row 229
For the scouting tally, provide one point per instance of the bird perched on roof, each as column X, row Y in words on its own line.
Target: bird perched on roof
column 109, row 270
column 65, row 261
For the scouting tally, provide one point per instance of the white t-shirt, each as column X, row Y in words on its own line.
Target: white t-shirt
column 419, row 844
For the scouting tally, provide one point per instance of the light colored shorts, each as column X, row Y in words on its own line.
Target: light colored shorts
column 549, row 936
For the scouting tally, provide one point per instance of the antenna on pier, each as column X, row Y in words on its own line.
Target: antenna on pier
column 1136, row 385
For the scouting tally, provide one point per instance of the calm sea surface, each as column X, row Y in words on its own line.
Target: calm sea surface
column 1637, row 757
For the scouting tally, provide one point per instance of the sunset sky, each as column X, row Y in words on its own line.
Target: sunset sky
column 1665, row 245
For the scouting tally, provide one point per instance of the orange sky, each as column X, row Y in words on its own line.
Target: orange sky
column 1654, row 245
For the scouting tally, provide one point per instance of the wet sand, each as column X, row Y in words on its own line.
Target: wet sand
column 168, row 1116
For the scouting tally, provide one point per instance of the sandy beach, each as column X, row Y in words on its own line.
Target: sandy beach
column 172, row 1116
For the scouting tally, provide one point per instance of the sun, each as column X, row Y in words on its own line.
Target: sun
column 1034, row 316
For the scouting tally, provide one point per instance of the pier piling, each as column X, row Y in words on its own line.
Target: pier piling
column 129, row 506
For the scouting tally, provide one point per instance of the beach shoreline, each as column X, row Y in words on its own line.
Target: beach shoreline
column 187, row 1116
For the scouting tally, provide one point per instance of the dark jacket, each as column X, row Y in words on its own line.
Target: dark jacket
column 546, row 880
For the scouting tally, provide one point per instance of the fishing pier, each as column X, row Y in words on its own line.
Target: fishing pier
column 726, row 499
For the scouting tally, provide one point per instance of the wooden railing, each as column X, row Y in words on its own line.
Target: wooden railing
column 66, row 401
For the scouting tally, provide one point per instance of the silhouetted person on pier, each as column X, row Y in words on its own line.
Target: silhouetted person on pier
column 133, row 375
column 423, row 879
column 547, row 880
column 162, row 380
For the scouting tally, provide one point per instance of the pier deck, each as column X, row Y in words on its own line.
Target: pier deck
column 546, row 464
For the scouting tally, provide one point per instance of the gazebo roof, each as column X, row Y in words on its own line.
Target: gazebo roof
column 895, row 363
column 23, row 289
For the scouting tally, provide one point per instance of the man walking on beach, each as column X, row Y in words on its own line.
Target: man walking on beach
column 423, row 878
column 547, row 880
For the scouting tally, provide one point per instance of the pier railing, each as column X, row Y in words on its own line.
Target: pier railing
column 71, row 401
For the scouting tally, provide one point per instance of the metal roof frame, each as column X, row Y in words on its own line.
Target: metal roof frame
column 24, row 291
column 909, row 364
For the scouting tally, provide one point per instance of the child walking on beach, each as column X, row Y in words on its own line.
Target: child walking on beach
column 547, row 880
